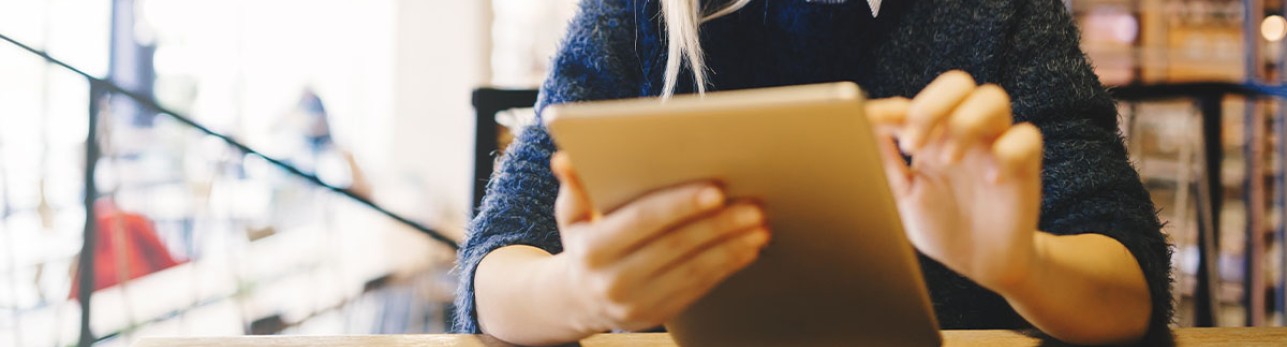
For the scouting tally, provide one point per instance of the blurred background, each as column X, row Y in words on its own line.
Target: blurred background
column 310, row 164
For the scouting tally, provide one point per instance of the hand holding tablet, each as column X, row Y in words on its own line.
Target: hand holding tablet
column 651, row 258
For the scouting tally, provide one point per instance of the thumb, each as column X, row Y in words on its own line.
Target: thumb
column 896, row 170
column 885, row 116
column 572, row 205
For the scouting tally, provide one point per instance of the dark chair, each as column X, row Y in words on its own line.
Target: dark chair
column 487, row 103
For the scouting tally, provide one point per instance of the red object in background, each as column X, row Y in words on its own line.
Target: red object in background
column 127, row 242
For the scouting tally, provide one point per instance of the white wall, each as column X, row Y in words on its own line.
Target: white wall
column 525, row 34
column 440, row 55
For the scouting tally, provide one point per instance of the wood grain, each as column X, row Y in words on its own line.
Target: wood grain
column 956, row 338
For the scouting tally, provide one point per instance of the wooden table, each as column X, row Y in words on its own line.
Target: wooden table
column 964, row 338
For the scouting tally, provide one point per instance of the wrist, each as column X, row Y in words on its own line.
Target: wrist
column 1025, row 281
column 582, row 316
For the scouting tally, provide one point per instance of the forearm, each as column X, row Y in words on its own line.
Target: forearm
column 521, row 298
column 1083, row 289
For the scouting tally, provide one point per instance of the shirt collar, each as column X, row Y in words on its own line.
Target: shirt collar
column 873, row 4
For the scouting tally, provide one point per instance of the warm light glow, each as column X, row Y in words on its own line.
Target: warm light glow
column 1273, row 28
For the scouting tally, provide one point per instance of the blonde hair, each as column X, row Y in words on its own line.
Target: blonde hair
column 683, row 42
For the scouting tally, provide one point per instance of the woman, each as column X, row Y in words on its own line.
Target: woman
column 1019, row 195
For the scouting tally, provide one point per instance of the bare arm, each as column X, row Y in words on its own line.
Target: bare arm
column 518, row 288
column 1107, row 280
column 596, row 61
column 971, row 198
column 1083, row 289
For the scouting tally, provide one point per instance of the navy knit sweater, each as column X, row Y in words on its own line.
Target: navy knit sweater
column 616, row 49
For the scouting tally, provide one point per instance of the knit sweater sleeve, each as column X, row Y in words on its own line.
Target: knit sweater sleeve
column 596, row 61
column 1089, row 184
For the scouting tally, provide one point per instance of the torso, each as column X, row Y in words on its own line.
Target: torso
column 789, row 42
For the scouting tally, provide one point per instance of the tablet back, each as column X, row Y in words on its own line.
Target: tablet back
column 839, row 271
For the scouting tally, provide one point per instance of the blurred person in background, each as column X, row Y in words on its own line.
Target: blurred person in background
column 305, row 133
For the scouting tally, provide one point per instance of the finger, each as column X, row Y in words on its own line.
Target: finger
column 646, row 217
column 932, row 105
column 888, row 111
column 572, row 205
column 1018, row 153
column 983, row 116
column 896, row 171
column 686, row 241
column 698, row 275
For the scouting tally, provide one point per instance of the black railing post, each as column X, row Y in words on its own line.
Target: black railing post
column 1253, row 283
column 1280, row 191
column 85, row 266
column 1211, row 196
column 1280, row 198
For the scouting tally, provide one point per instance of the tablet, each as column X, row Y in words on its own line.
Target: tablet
column 839, row 271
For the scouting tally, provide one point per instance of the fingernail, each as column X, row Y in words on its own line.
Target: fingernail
column 710, row 197
column 749, row 215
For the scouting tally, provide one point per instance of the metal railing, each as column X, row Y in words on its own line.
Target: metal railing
column 100, row 87
column 1208, row 99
